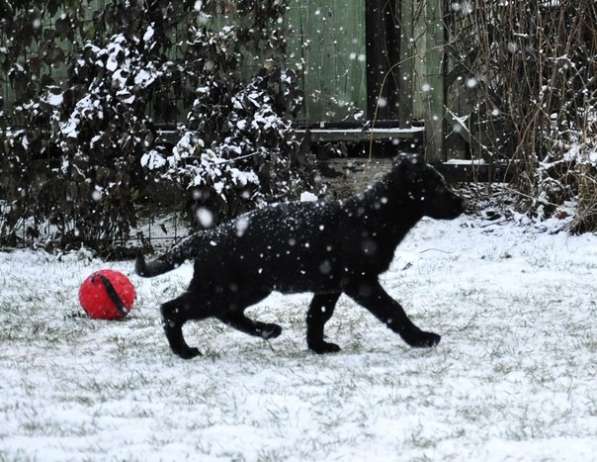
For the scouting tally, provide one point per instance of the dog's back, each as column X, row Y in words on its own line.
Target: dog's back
column 287, row 247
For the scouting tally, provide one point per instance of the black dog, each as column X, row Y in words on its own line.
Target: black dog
column 321, row 247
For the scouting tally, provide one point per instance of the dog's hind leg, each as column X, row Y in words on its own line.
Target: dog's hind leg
column 320, row 311
column 174, row 315
column 371, row 295
column 239, row 321
column 234, row 316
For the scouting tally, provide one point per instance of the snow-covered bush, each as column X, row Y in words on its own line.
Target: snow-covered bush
column 91, row 134
column 242, row 152
column 236, row 143
column 81, row 153
column 530, row 70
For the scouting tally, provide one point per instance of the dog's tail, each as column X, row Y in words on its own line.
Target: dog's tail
column 171, row 259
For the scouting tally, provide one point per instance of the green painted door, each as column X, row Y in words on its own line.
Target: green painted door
column 326, row 45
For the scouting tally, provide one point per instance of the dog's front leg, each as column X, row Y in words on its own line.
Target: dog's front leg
column 371, row 295
column 320, row 311
column 173, row 318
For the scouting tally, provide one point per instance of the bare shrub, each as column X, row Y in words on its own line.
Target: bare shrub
column 537, row 93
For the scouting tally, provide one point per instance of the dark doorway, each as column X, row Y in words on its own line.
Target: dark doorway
column 382, row 19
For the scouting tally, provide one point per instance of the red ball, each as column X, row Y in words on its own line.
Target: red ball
column 107, row 294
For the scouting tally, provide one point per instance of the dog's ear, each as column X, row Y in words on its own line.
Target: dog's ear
column 405, row 164
column 413, row 157
column 405, row 159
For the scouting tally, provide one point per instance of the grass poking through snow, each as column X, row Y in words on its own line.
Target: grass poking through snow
column 513, row 379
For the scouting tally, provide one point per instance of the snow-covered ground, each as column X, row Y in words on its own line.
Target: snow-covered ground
column 514, row 378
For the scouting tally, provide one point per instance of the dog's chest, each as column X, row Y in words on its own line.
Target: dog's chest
column 368, row 247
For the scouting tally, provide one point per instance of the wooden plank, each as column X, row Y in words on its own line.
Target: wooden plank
column 357, row 134
column 393, row 36
column 350, row 59
column 434, row 87
column 382, row 38
column 326, row 44
column 375, row 38
column 327, row 135
column 420, row 44
column 460, row 171
column 407, row 63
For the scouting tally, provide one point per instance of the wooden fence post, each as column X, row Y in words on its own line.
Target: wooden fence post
column 407, row 63
column 383, row 49
column 434, row 85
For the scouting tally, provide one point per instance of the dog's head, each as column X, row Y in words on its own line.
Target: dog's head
column 428, row 189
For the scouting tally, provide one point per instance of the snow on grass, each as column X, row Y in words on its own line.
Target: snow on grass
column 514, row 377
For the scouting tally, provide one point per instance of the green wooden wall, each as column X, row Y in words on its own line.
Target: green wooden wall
column 326, row 44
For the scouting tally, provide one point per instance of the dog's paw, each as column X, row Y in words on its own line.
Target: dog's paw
column 324, row 347
column 271, row 331
column 422, row 339
column 189, row 353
